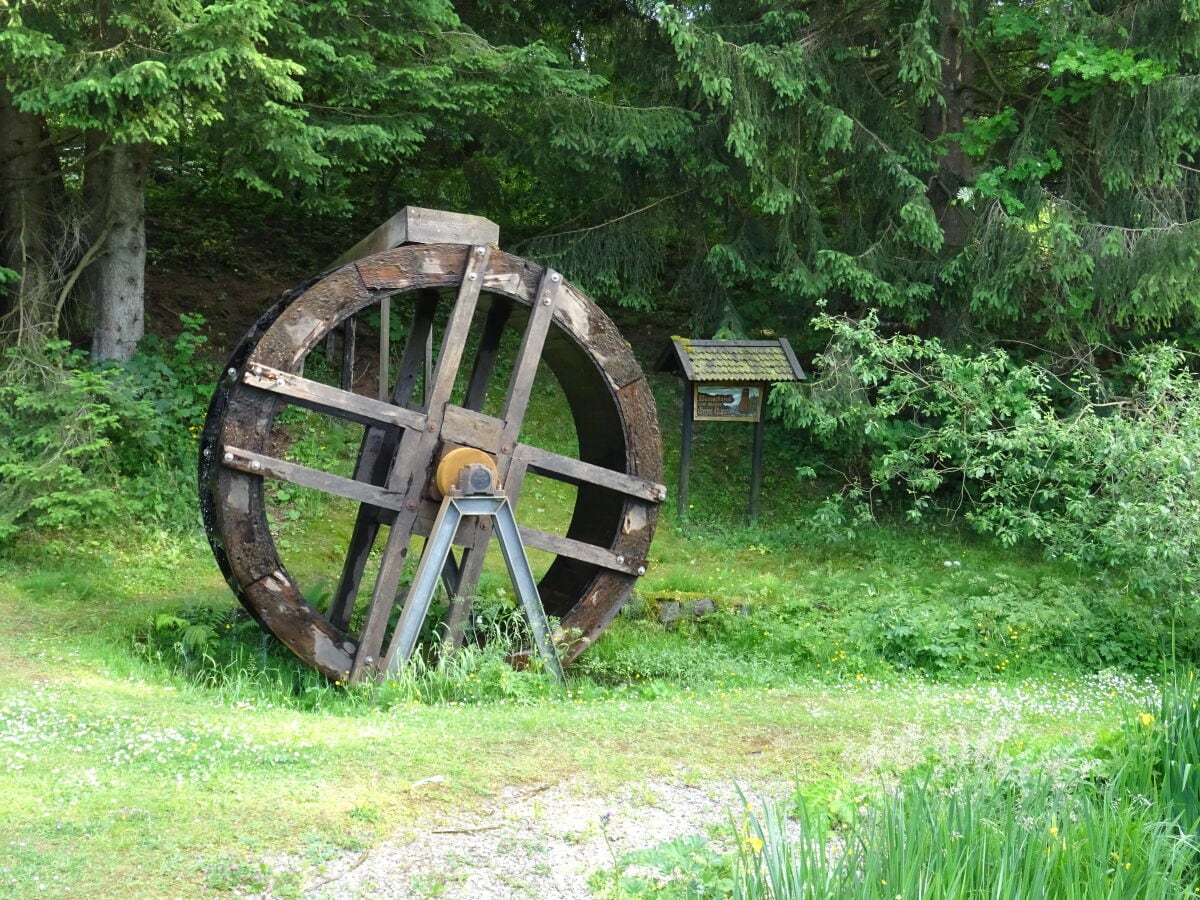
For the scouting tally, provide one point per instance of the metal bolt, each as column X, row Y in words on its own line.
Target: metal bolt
column 255, row 464
column 471, row 276
column 432, row 426
column 479, row 251
column 641, row 570
column 411, row 504
column 370, row 659
column 231, row 372
column 257, row 370
column 228, row 457
column 507, row 448
column 620, row 560
column 207, row 452
column 546, row 300
column 662, row 493
column 556, row 278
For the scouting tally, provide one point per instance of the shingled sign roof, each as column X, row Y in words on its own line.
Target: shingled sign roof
column 731, row 361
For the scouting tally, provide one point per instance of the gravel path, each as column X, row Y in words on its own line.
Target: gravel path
column 532, row 842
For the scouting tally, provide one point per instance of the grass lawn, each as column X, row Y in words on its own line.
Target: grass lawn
column 124, row 778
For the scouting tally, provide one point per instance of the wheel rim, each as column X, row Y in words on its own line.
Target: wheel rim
column 616, row 475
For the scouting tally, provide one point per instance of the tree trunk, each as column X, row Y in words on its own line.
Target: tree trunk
column 946, row 115
column 26, row 219
column 115, row 184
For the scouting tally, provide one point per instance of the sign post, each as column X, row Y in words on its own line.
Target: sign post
column 727, row 381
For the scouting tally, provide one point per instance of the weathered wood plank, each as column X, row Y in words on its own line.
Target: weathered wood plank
column 385, row 346
column 358, row 551
column 589, row 553
column 575, row 471
column 330, row 400
column 454, row 340
column 374, row 458
column 412, row 360
column 416, row 225
column 472, row 429
column 553, row 543
column 410, row 467
column 272, row 467
column 349, row 331
column 485, row 358
column 529, row 354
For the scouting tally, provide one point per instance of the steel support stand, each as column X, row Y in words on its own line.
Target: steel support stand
column 455, row 507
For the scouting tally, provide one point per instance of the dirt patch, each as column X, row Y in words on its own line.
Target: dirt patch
column 544, row 841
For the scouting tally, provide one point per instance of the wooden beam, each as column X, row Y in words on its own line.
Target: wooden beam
column 685, row 447
column 330, row 400
column 349, row 330
column 416, row 449
column 574, row 471
column 529, row 354
column 756, row 462
column 588, row 553
column 272, row 467
column 415, row 225
column 485, row 359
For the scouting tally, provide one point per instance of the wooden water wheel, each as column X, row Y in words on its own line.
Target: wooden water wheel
column 616, row 474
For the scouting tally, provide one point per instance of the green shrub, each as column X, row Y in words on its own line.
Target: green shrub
column 83, row 443
column 1097, row 470
column 57, row 466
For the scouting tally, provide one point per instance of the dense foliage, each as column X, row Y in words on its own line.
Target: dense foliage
column 971, row 168
column 1098, row 469
column 82, row 444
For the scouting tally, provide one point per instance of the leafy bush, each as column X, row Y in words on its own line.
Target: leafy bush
column 56, row 462
column 83, row 443
column 1020, row 452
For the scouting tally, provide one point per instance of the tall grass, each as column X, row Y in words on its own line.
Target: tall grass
column 220, row 650
column 1121, row 825
column 980, row 836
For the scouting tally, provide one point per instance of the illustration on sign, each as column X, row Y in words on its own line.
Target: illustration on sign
column 728, row 401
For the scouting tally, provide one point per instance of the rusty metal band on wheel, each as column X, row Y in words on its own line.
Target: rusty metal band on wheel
column 610, row 402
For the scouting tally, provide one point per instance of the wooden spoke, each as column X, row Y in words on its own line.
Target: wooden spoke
column 528, row 356
column 375, row 458
column 331, row 401
column 455, row 339
column 349, row 329
column 578, row 550
column 418, row 448
column 515, row 404
column 362, row 539
column 335, row 485
column 485, row 360
column 412, row 361
column 574, row 471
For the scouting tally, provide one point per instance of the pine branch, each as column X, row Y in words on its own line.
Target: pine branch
column 627, row 215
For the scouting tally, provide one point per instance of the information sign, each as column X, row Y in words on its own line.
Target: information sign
column 727, row 402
